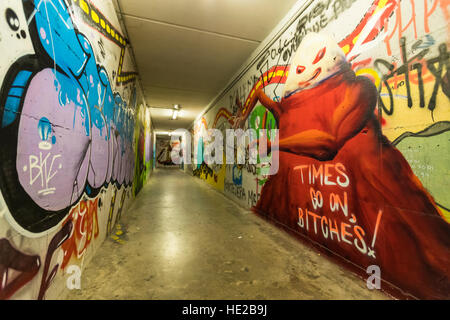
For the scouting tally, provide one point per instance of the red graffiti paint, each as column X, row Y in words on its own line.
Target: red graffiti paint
column 11, row 258
column 85, row 224
column 223, row 113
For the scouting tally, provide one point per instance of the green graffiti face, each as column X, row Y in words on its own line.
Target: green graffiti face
column 261, row 118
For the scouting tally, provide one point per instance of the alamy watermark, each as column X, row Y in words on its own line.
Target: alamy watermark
column 374, row 280
column 74, row 279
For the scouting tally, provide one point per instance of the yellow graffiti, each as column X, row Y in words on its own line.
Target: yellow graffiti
column 371, row 74
column 346, row 48
column 414, row 119
column 95, row 17
column 217, row 180
column 84, row 6
column 446, row 214
column 381, row 5
column 114, row 35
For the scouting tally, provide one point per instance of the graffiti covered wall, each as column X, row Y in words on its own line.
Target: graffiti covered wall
column 75, row 138
column 143, row 148
column 359, row 90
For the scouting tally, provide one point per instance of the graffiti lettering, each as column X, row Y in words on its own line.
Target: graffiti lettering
column 328, row 174
column 42, row 171
column 237, row 191
column 56, row 242
column 69, row 137
column 415, row 63
column 85, row 224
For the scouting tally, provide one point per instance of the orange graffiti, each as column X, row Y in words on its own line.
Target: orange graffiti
column 223, row 113
column 444, row 4
column 276, row 74
column 85, row 221
column 428, row 14
column 400, row 27
column 197, row 127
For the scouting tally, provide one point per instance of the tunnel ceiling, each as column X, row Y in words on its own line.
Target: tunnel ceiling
column 187, row 51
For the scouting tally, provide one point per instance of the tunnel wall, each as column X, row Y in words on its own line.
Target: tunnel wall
column 369, row 187
column 76, row 141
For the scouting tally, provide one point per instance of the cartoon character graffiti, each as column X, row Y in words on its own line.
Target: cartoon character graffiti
column 342, row 183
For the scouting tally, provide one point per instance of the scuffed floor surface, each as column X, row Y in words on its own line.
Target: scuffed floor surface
column 181, row 239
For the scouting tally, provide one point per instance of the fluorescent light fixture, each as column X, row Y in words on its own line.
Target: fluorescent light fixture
column 176, row 111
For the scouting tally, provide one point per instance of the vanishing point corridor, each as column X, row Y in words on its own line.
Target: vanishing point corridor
column 226, row 150
column 184, row 240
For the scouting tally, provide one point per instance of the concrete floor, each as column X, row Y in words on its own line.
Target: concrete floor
column 184, row 240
